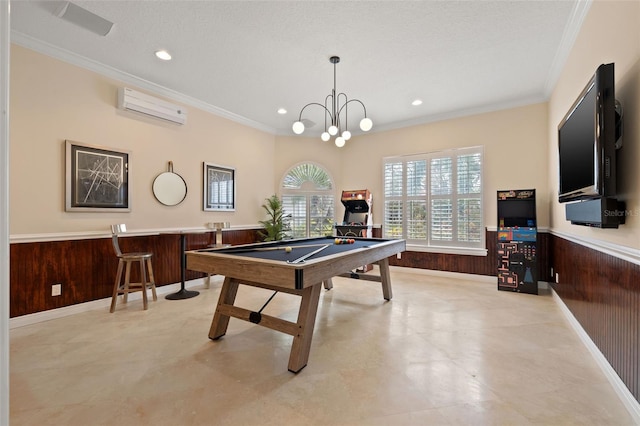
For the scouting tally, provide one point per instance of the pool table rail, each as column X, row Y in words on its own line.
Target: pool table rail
column 295, row 276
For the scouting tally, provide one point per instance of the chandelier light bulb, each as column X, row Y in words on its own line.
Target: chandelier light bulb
column 340, row 141
column 333, row 130
column 366, row 124
column 298, row 127
column 325, row 136
column 346, row 135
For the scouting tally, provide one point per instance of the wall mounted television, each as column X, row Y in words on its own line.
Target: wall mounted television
column 587, row 141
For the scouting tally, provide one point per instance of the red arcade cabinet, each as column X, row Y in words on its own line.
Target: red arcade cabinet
column 357, row 221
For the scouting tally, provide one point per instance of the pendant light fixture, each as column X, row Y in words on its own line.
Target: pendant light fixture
column 335, row 106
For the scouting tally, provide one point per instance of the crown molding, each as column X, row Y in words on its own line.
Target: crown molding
column 569, row 36
column 467, row 112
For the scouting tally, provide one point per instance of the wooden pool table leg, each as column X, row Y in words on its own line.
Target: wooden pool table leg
column 328, row 284
column 306, row 321
column 385, row 277
column 220, row 322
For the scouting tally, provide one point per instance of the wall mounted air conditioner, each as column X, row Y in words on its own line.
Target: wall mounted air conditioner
column 131, row 100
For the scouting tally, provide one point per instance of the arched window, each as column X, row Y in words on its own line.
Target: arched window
column 307, row 196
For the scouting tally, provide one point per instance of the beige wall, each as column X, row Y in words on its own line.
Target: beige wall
column 515, row 154
column 610, row 33
column 52, row 101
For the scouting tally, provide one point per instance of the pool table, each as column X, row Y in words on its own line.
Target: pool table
column 300, row 267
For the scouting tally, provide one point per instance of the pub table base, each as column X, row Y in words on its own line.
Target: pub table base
column 182, row 294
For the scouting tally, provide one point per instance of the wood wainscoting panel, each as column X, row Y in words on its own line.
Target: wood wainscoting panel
column 82, row 267
column 603, row 294
column 86, row 268
column 478, row 265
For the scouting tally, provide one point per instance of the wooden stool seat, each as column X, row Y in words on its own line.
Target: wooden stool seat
column 125, row 260
column 136, row 256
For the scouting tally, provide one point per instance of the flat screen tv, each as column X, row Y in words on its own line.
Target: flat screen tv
column 587, row 141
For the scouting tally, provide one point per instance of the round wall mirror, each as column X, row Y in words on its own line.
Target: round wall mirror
column 169, row 188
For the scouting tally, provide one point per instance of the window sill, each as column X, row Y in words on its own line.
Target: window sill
column 449, row 250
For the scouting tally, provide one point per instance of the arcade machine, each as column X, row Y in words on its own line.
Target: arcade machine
column 357, row 221
column 517, row 237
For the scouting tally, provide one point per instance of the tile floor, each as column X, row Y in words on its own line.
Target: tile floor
column 444, row 351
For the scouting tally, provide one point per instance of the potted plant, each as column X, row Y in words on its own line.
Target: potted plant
column 276, row 225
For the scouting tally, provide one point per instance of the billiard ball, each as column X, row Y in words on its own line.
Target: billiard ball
column 288, row 249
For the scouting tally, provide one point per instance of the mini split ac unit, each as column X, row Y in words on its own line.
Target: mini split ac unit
column 131, row 100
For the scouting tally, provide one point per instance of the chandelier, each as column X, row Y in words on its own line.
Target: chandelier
column 334, row 106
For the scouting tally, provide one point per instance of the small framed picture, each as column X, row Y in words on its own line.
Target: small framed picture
column 219, row 187
column 97, row 179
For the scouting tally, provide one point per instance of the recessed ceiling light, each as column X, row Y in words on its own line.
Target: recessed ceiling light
column 282, row 111
column 164, row 55
column 416, row 102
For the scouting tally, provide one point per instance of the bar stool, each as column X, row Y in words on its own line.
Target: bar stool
column 124, row 262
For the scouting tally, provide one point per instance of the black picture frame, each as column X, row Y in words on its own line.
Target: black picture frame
column 97, row 178
column 219, row 188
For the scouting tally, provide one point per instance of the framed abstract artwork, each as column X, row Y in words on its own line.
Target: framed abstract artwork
column 97, row 179
column 219, row 188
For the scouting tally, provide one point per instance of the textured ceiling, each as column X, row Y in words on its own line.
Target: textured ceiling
column 246, row 59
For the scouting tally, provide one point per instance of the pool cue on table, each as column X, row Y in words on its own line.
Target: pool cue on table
column 231, row 250
column 302, row 258
column 291, row 247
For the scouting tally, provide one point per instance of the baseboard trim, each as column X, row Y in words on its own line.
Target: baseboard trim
column 456, row 275
column 487, row 279
column 51, row 314
column 105, row 303
column 37, row 317
column 632, row 405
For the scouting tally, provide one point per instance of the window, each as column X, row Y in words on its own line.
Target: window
column 307, row 196
column 435, row 200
